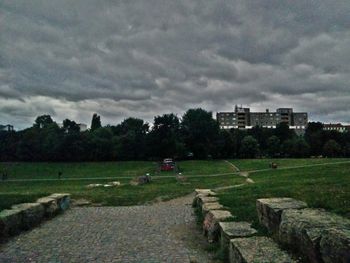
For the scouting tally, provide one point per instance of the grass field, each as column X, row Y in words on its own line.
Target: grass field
column 325, row 186
column 320, row 186
column 12, row 192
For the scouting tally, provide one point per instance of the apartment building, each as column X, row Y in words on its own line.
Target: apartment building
column 336, row 127
column 243, row 118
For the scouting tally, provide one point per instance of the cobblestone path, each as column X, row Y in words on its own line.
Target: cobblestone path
column 162, row 232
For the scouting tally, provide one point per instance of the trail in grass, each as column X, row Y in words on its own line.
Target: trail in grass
column 249, row 180
column 240, row 173
column 233, row 166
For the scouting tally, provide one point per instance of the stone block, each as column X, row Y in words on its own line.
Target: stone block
column 200, row 193
column 206, row 199
column 211, row 223
column 62, row 200
column 335, row 245
column 303, row 230
column 206, row 192
column 10, row 222
column 257, row 249
column 270, row 209
column 32, row 214
column 230, row 230
column 206, row 207
column 50, row 206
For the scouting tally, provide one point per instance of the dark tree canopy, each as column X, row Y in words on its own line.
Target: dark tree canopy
column 195, row 135
column 95, row 122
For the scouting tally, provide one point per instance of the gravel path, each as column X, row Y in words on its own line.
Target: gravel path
column 162, row 232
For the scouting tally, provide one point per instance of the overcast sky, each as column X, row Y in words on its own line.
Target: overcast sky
column 143, row 58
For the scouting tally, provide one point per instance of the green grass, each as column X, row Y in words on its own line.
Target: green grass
column 107, row 169
column 205, row 167
column 320, row 186
column 77, row 170
column 166, row 188
column 258, row 164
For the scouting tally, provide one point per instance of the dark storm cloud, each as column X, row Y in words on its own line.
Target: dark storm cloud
column 145, row 58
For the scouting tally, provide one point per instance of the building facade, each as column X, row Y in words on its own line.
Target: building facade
column 243, row 118
column 336, row 127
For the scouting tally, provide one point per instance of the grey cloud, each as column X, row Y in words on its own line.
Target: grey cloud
column 143, row 58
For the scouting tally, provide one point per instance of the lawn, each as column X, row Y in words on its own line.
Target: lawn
column 77, row 170
column 165, row 188
column 258, row 164
column 320, row 186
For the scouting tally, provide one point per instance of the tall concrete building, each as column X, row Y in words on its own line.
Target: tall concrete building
column 243, row 118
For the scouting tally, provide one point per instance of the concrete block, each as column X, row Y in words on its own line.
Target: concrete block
column 270, row 209
column 62, row 200
column 211, row 223
column 206, row 207
column 10, row 222
column 32, row 214
column 303, row 230
column 230, row 230
column 257, row 249
column 50, row 206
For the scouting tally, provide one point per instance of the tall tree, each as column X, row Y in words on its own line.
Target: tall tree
column 249, row 147
column 43, row 121
column 273, row 146
column 200, row 131
column 164, row 140
column 95, row 122
column 332, row 149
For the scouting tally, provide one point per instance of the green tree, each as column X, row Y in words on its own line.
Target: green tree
column 95, row 122
column 249, row 147
column 283, row 132
column 70, row 126
column 43, row 121
column 273, row 146
column 296, row 147
column 314, row 137
column 130, row 141
column 200, row 132
column 332, row 149
column 164, row 140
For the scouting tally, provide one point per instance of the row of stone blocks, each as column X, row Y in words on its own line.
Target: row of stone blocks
column 237, row 239
column 27, row 215
column 317, row 235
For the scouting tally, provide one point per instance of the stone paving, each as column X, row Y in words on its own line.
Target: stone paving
column 162, row 232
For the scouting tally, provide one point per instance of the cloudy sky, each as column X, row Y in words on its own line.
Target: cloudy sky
column 143, row 58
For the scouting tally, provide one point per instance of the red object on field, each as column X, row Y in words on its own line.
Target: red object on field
column 167, row 165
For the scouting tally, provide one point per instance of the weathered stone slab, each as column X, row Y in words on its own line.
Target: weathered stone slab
column 206, row 192
column 206, row 207
column 32, row 214
column 257, row 249
column 10, row 222
column 62, row 200
column 270, row 209
column 230, row 230
column 211, row 223
column 200, row 193
column 335, row 246
column 303, row 230
column 50, row 206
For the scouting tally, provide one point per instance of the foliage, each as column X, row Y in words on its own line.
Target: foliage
column 95, row 122
column 331, row 149
column 249, row 147
column 196, row 135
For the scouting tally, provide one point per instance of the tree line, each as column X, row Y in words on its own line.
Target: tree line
column 196, row 135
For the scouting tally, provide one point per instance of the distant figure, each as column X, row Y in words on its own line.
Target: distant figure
column 59, row 175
